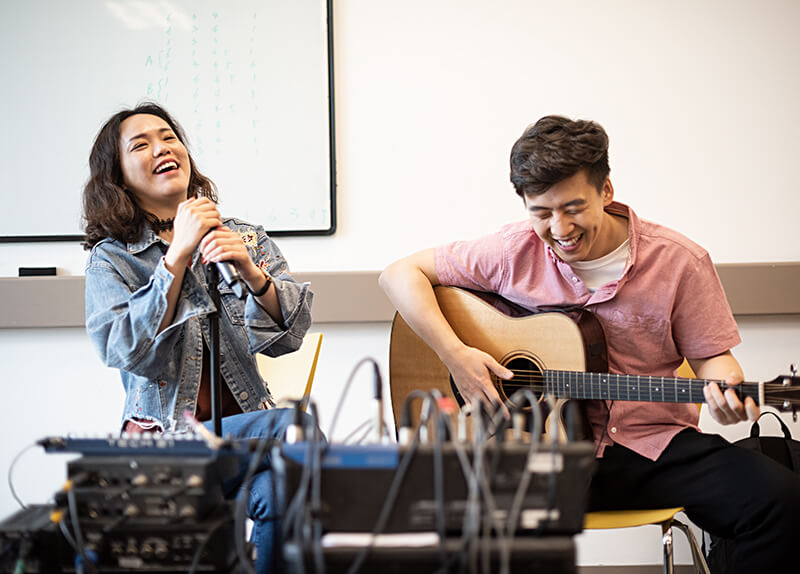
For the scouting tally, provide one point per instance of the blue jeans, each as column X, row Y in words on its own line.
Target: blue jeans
column 263, row 503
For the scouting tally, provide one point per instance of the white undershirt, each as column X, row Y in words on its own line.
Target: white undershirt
column 606, row 269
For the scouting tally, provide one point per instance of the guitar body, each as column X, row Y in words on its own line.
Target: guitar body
column 551, row 340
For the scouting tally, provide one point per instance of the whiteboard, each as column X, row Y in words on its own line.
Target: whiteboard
column 249, row 81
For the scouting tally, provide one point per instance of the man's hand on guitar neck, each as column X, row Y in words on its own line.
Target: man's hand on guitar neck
column 472, row 370
column 725, row 408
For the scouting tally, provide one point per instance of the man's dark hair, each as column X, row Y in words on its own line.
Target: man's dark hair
column 109, row 210
column 556, row 148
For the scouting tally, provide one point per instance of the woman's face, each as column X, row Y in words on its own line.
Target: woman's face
column 155, row 164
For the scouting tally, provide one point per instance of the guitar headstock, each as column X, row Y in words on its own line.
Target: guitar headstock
column 783, row 393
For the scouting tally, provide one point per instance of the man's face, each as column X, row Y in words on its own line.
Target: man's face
column 570, row 218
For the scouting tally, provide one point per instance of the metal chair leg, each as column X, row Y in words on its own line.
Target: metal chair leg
column 700, row 565
column 666, row 540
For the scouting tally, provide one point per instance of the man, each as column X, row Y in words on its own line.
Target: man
column 659, row 299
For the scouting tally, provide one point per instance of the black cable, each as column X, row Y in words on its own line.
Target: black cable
column 316, row 494
column 468, row 544
column 278, row 467
column 553, row 475
column 438, row 481
column 67, row 536
column 287, row 515
column 405, row 410
column 466, row 470
column 346, row 389
column 11, row 468
column 552, row 484
column 483, row 478
column 304, row 514
column 360, row 428
column 295, row 518
column 388, row 505
column 76, row 528
column 477, row 465
column 471, row 524
column 240, row 507
column 292, row 520
column 536, row 431
column 198, row 553
column 490, row 515
column 470, row 531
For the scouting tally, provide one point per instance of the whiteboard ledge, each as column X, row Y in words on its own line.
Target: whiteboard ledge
column 354, row 296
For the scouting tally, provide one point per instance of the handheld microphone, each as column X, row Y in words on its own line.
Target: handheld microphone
column 232, row 278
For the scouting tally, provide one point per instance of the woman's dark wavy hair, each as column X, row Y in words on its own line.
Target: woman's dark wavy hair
column 556, row 148
column 109, row 210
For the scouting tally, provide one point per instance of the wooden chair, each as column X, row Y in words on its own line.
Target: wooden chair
column 663, row 517
column 290, row 376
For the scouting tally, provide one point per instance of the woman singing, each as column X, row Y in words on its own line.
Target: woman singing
column 152, row 223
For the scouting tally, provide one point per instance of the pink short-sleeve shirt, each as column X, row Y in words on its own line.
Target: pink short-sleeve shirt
column 668, row 304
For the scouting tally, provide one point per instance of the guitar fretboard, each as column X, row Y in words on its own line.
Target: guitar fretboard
column 580, row 385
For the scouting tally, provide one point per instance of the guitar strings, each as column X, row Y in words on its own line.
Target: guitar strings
column 769, row 401
column 536, row 379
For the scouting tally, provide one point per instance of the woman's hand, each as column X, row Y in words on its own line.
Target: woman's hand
column 222, row 244
column 194, row 219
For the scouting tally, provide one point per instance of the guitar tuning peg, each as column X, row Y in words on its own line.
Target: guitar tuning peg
column 793, row 369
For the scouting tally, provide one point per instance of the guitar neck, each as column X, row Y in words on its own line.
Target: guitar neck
column 615, row 387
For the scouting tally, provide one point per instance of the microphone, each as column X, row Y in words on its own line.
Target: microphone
column 232, row 278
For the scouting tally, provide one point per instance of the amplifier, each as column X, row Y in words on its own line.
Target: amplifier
column 148, row 489
column 355, row 480
column 167, row 547
column 140, row 504
column 31, row 538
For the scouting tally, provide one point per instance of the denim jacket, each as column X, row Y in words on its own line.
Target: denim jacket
column 126, row 298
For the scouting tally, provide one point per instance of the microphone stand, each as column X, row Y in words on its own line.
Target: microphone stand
column 215, row 384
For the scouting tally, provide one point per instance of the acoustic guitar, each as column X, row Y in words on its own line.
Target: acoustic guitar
column 562, row 354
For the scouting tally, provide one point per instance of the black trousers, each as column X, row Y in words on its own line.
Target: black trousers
column 726, row 490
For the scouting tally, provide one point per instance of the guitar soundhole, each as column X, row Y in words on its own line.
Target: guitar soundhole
column 527, row 371
column 527, row 375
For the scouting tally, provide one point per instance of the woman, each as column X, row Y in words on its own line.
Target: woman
column 151, row 222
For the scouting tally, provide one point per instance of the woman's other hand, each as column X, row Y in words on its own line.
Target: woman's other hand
column 194, row 219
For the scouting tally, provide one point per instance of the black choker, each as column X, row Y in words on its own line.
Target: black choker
column 163, row 224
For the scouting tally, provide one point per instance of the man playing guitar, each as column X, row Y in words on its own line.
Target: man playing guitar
column 659, row 300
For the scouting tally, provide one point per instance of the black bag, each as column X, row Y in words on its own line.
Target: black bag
column 784, row 450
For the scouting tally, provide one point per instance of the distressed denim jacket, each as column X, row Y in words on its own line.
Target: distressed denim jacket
column 126, row 298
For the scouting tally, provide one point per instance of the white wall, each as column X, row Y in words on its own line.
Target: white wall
column 430, row 96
